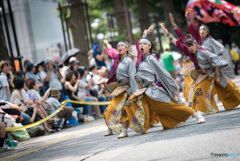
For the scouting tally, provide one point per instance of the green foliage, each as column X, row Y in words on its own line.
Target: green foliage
column 65, row 11
column 99, row 9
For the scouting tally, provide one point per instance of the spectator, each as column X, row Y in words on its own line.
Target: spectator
column 64, row 71
column 91, row 59
column 98, row 54
column 13, row 109
column 65, row 114
column 93, row 74
column 25, row 64
column 52, row 77
column 71, row 86
column 235, row 57
column 34, row 107
column 168, row 61
column 3, row 137
column 74, row 65
column 21, row 74
column 96, row 81
column 5, row 93
column 83, row 86
column 10, row 75
column 34, row 95
column 103, row 73
column 31, row 74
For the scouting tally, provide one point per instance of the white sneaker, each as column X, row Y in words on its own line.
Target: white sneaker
column 108, row 133
column 200, row 118
column 123, row 134
column 6, row 148
column 90, row 118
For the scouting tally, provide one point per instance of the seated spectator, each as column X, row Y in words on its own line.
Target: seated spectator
column 31, row 74
column 52, row 77
column 25, row 64
column 34, row 107
column 13, row 109
column 66, row 113
column 98, row 54
column 3, row 146
column 93, row 74
column 83, row 86
column 91, row 59
column 34, row 95
column 4, row 85
column 71, row 87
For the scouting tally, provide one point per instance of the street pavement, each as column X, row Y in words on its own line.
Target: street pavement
column 217, row 139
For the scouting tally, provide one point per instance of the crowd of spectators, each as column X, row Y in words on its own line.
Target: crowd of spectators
column 37, row 92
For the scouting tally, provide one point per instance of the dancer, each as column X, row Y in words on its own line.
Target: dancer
column 122, row 76
column 188, row 89
column 212, row 67
column 151, row 96
column 207, row 101
column 203, row 38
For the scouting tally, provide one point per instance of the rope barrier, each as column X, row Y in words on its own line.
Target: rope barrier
column 54, row 113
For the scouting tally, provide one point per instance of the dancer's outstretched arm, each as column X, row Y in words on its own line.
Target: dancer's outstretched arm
column 177, row 30
column 192, row 29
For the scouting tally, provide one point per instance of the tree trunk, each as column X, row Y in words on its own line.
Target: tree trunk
column 121, row 22
column 143, row 15
column 3, row 47
column 77, row 24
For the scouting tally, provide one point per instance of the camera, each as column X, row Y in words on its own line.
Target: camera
column 57, row 65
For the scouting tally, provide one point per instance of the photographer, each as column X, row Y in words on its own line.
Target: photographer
column 52, row 76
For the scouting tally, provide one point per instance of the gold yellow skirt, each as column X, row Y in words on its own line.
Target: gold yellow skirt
column 169, row 114
column 113, row 112
column 142, row 113
column 138, row 114
column 203, row 98
column 230, row 95
column 186, row 88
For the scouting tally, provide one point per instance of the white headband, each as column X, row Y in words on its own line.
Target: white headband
column 204, row 28
column 122, row 43
column 146, row 40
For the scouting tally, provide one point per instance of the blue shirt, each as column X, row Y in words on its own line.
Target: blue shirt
column 34, row 76
column 99, row 63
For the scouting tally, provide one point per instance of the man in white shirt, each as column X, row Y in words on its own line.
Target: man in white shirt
column 52, row 76
column 5, row 93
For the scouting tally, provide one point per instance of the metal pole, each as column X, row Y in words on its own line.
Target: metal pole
column 84, row 22
column 7, row 33
column 89, row 28
column 158, row 33
column 14, row 33
column 69, row 41
column 64, row 37
column 130, row 36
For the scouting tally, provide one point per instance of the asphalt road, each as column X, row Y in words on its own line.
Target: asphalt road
column 216, row 139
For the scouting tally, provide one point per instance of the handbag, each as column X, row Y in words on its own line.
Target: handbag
column 93, row 93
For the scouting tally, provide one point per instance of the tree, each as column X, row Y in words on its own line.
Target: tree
column 121, row 21
column 76, row 24
column 143, row 14
column 3, row 47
